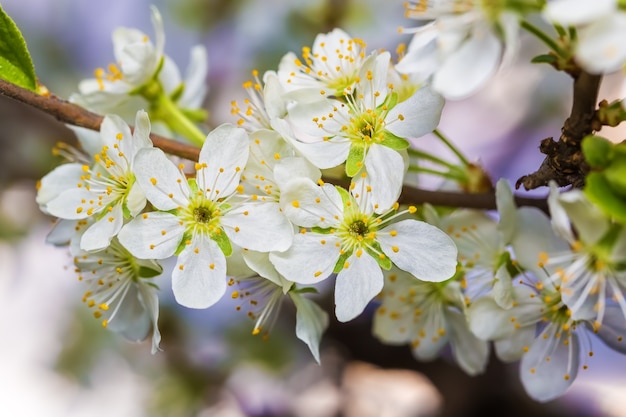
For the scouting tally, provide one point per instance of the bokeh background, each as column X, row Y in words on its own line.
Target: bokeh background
column 55, row 360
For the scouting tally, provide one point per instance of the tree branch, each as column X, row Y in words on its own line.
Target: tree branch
column 564, row 161
column 70, row 113
column 73, row 114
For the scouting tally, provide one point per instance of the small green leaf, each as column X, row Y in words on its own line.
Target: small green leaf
column 598, row 151
column 306, row 290
column 16, row 65
column 544, row 59
column 354, row 163
column 145, row 272
column 341, row 262
column 599, row 191
column 223, row 242
column 615, row 174
column 394, row 142
column 375, row 251
column 183, row 243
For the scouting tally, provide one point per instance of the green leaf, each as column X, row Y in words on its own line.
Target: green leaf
column 599, row 191
column 598, row 151
column 145, row 272
column 16, row 66
column 375, row 251
column 615, row 174
column 394, row 142
column 544, row 59
column 222, row 241
column 341, row 262
column 306, row 290
column 354, row 163
column 183, row 243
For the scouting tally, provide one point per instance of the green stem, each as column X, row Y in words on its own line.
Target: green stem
column 167, row 111
column 451, row 146
column 542, row 36
column 425, row 155
column 449, row 175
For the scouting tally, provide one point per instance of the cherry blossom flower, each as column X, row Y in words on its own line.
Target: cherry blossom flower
column 339, row 235
column 202, row 217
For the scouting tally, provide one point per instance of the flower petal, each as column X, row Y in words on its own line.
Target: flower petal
column 261, row 227
column 310, row 259
column 357, row 284
column 424, row 109
column 311, row 322
column 307, row 204
column 199, row 278
column 419, row 248
column 551, row 364
column 153, row 235
column 225, row 152
column 99, row 235
column 163, row 183
column 469, row 352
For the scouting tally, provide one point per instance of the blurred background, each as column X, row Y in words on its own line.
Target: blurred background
column 56, row 360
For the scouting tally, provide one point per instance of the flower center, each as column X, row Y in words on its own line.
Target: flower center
column 358, row 229
column 202, row 214
column 367, row 128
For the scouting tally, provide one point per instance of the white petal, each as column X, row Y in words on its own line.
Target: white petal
column 503, row 288
column 141, row 134
column 535, row 238
column 136, row 199
column 311, row 322
column 62, row 232
column 551, row 365
column 199, row 277
column 225, row 152
column 356, row 286
column 151, row 302
column 260, row 264
column 421, row 112
column 393, row 321
column 312, row 117
column 601, row 48
column 488, row 321
column 577, row 12
column 511, row 348
column 99, row 235
column 162, row 182
column 62, row 178
column 153, row 235
column 261, row 227
column 464, row 71
column 507, row 210
column 588, row 220
column 421, row 249
column 323, row 154
column 385, row 169
column 308, row 260
column 71, row 204
column 470, row 352
column 292, row 167
column 195, row 79
column 117, row 137
column 613, row 329
column 307, row 204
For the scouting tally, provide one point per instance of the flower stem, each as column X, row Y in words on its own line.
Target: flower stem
column 451, row 175
column 542, row 36
column 167, row 111
column 451, row 146
column 429, row 157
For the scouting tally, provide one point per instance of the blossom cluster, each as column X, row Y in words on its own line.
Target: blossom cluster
column 258, row 216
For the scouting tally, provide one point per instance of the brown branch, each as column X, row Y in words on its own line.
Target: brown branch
column 70, row 113
column 564, row 161
column 73, row 114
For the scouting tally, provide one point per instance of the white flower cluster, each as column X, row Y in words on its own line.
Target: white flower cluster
column 254, row 214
